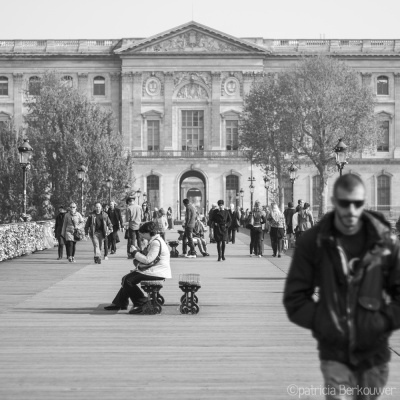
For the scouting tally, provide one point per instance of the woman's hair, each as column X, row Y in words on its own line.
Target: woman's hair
column 169, row 209
column 161, row 211
column 305, row 206
column 72, row 203
column 149, row 227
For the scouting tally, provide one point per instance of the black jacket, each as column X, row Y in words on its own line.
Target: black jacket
column 352, row 318
column 90, row 225
column 117, row 221
column 59, row 224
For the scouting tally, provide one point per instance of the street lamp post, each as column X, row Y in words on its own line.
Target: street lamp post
column 237, row 199
column 340, row 153
column 109, row 183
column 25, row 152
column 241, row 195
column 82, row 170
column 292, row 176
column 251, row 180
column 266, row 180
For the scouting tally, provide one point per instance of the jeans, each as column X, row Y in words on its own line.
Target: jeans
column 256, row 241
column 343, row 383
column 133, row 238
column 112, row 244
column 70, row 247
column 188, row 240
column 131, row 290
column 97, row 240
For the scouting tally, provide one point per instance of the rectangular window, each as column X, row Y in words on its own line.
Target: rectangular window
column 153, row 135
column 232, row 141
column 3, row 87
column 192, row 130
column 383, row 144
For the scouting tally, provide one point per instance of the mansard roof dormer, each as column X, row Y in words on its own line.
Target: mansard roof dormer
column 192, row 38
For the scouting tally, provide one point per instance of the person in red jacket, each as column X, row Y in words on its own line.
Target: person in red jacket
column 353, row 259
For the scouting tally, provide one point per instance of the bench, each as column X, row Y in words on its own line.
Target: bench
column 152, row 288
column 189, row 284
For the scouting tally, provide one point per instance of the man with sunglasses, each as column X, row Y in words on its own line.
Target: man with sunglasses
column 344, row 285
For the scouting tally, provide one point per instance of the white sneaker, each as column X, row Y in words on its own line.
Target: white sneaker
column 259, row 256
column 106, row 258
column 191, row 256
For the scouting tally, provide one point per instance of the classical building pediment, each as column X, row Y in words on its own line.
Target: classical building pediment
column 191, row 38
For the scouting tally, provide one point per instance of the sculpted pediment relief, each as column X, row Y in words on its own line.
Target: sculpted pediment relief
column 194, row 42
column 192, row 91
column 191, row 38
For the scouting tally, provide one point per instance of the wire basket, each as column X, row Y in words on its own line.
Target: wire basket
column 189, row 279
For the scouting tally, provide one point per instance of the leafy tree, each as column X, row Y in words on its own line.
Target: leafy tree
column 66, row 130
column 264, row 132
column 11, row 184
column 326, row 101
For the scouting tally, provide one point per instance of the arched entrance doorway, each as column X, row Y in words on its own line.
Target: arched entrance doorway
column 192, row 185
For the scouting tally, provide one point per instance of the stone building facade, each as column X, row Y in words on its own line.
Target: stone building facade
column 178, row 97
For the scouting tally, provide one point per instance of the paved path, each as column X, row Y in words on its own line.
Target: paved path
column 57, row 342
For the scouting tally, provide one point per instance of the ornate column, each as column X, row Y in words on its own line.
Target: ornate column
column 215, row 111
column 126, row 109
column 115, row 96
column 83, row 82
column 168, row 93
column 17, row 79
column 396, row 142
column 136, row 111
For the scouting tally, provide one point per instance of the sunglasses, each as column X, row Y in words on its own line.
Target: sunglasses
column 346, row 203
column 73, row 207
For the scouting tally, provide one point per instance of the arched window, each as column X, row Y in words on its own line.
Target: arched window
column 34, row 86
column 383, row 144
column 316, row 187
column 3, row 86
column 67, row 80
column 383, row 192
column 99, row 86
column 382, row 85
column 153, row 191
column 232, row 189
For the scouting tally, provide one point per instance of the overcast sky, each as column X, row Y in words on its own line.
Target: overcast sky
column 277, row 19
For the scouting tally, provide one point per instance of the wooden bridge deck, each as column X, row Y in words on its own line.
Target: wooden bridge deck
column 57, row 342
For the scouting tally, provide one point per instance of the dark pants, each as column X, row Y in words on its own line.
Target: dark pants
column 170, row 226
column 188, row 241
column 61, row 245
column 112, row 240
column 106, row 246
column 221, row 248
column 70, row 247
column 232, row 234
column 256, row 241
column 131, row 290
column 276, row 235
column 133, row 239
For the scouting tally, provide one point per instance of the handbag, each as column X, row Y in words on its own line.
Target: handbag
column 250, row 222
column 142, row 267
column 285, row 243
column 79, row 234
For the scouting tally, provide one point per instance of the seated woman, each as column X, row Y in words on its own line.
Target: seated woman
column 152, row 265
column 198, row 236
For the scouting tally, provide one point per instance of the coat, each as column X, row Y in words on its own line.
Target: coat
column 220, row 220
column 134, row 216
column 90, row 225
column 68, row 227
column 117, row 222
column 235, row 219
column 353, row 318
column 59, row 225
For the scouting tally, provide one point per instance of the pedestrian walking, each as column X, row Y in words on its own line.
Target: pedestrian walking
column 235, row 223
column 288, row 214
column 161, row 222
column 115, row 216
column 170, row 219
column 72, row 220
column 190, row 220
column 354, row 261
column 134, row 217
column 242, row 218
column 299, row 205
column 58, row 231
column 277, row 229
column 96, row 227
column 211, row 233
column 305, row 219
column 146, row 216
column 257, row 216
column 220, row 220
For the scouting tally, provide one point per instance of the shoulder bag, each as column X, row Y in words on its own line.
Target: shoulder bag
column 79, row 234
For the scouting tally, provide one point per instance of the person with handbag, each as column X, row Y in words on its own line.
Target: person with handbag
column 72, row 230
column 256, row 220
column 115, row 216
column 134, row 217
column 277, row 230
column 96, row 227
column 151, row 265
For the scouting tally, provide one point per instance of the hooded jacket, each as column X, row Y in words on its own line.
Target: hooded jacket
column 351, row 315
